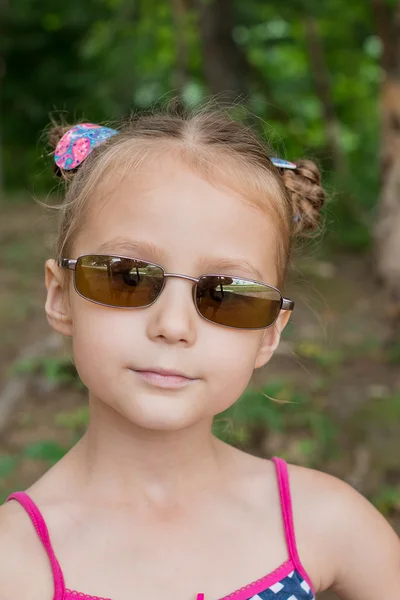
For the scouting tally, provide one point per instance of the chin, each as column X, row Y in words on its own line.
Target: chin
column 162, row 413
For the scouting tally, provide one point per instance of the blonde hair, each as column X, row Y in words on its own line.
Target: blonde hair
column 214, row 144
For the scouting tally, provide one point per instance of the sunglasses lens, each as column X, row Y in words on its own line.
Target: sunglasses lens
column 118, row 281
column 237, row 302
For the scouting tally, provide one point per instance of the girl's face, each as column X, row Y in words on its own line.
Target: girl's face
column 175, row 218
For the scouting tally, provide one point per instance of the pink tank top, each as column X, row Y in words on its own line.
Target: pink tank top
column 289, row 581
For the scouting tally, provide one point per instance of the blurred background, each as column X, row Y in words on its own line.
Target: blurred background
column 323, row 81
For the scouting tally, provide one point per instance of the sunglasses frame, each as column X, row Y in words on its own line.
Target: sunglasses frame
column 71, row 263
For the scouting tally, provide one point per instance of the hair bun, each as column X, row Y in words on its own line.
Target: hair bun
column 307, row 195
column 55, row 134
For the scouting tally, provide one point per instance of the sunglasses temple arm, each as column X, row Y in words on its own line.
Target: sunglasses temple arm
column 67, row 263
column 287, row 304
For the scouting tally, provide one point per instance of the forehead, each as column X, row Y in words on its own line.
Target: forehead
column 169, row 214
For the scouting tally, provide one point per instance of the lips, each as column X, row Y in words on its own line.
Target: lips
column 164, row 378
column 164, row 372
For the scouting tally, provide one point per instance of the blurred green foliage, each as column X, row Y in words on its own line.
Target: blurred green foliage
column 100, row 59
column 57, row 370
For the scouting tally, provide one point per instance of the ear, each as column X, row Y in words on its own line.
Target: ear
column 57, row 305
column 271, row 339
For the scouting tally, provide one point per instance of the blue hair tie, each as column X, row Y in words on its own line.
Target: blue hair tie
column 283, row 164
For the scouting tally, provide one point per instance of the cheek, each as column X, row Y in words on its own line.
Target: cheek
column 231, row 365
column 101, row 342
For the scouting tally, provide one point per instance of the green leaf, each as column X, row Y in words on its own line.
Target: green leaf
column 7, row 465
column 45, row 450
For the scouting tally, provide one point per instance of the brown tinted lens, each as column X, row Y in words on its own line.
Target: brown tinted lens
column 117, row 281
column 237, row 302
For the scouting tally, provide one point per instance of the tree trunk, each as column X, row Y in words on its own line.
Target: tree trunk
column 228, row 73
column 225, row 65
column 387, row 232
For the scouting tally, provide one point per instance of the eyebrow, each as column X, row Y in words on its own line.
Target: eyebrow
column 119, row 244
column 221, row 264
column 131, row 247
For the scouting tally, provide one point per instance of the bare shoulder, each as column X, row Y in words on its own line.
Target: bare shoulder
column 24, row 567
column 310, row 502
column 358, row 547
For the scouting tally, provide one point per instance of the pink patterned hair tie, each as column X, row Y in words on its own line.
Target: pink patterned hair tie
column 78, row 142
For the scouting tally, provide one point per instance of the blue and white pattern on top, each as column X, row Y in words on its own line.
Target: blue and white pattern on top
column 291, row 587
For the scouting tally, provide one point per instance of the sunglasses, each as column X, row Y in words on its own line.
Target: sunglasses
column 123, row 282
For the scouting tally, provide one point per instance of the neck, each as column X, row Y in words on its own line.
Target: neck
column 123, row 462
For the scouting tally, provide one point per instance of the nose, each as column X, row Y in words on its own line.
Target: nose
column 173, row 318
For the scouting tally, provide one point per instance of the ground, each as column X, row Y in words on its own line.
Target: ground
column 333, row 364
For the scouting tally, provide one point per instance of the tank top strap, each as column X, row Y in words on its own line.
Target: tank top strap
column 287, row 511
column 41, row 528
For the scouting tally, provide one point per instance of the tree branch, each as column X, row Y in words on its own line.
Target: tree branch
column 323, row 89
column 181, row 64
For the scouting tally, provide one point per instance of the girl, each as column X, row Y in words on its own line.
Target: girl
column 172, row 249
